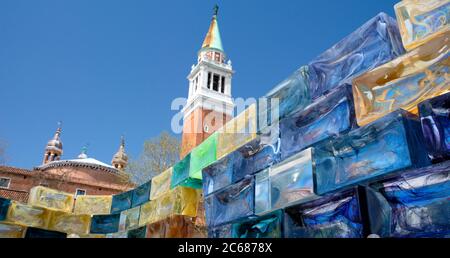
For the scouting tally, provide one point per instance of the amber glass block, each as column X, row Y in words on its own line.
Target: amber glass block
column 404, row 82
column 93, row 204
column 25, row 215
column 237, row 132
column 11, row 231
column 161, row 184
column 70, row 223
column 421, row 20
column 51, row 199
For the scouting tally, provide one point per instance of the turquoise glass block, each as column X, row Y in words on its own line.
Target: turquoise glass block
column 4, row 206
column 373, row 44
column 202, row 156
column 387, row 145
column 330, row 115
column 181, row 176
column 121, row 202
column 141, row 194
column 333, row 216
column 105, row 224
column 414, row 204
column 268, row 226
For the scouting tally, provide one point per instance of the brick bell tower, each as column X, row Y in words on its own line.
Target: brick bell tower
column 209, row 105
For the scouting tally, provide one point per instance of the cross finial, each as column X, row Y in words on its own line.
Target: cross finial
column 216, row 10
column 122, row 141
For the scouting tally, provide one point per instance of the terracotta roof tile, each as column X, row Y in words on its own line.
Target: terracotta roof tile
column 20, row 196
column 14, row 170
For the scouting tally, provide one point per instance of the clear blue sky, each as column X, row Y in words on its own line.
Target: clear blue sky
column 110, row 67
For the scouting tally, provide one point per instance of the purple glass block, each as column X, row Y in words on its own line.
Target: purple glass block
column 376, row 42
column 390, row 144
column 330, row 115
column 435, row 118
column 334, row 216
column 231, row 203
column 413, row 204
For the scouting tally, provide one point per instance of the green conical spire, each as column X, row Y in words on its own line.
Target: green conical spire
column 213, row 39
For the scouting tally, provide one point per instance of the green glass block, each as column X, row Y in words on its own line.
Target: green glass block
column 181, row 177
column 202, row 156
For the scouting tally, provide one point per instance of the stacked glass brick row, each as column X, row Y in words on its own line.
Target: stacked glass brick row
column 362, row 145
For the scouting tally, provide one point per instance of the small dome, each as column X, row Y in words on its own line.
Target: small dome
column 120, row 159
column 55, row 145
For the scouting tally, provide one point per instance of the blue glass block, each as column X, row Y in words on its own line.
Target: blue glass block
column 376, row 42
column 231, row 203
column 42, row 233
column 105, row 224
column 4, row 206
column 268, row 226
column 287, row 96
column 387, row 145
column 262, row 192
column 223, row 231
column 249, row 159
column 121, row 202
column 141, row 194
column 137, row 233
column 414, row 204
column 333, row 216
column 222, row 173
column 330, row 115
column 284, row 184
column 435, row 118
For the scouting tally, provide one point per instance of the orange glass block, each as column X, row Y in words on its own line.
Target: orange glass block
column 404, row 82
column 156, row 230
column 25, row 215
column 93, row 204
column 11, row 231
column 182, row 227
column 70, row 223
column 422, row 20
column 237, row 132
column 161, row 184
column 51, row 199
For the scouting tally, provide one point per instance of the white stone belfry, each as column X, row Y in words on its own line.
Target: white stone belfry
column 210, row 78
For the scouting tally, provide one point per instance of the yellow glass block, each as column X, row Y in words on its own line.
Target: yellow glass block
column 404, row 82
column 93, row 204
column 421, row 20
column 51, row 199
column 237, row 132
column 148, row 213
column 129, row 219
column 26, row 215
column 161, row 184
column 70, row 223
column 11, row 231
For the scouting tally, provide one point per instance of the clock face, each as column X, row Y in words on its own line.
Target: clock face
column 206, row 128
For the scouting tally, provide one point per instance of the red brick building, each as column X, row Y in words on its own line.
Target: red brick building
column 82, row 175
